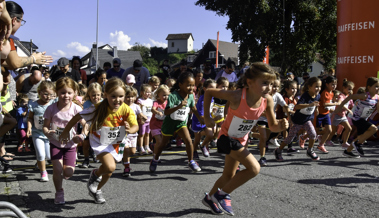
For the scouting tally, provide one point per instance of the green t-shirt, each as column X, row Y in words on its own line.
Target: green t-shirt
column 179, row 118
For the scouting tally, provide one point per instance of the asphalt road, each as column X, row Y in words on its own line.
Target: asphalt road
column 335, row 186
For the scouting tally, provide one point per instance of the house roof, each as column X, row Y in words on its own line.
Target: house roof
column 127, row 57
column 25, row 46
column 179, row 36
column 228, row 49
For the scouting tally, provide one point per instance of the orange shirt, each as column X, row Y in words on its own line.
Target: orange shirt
column 326, row 97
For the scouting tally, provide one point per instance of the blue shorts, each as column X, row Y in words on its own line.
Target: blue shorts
column 323, row 120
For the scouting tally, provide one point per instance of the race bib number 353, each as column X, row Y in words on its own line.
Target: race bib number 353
column 240, row 127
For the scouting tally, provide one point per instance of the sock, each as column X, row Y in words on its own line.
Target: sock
column 222, row 192
column 43, row 172
column 262, row 156
column 192, row 161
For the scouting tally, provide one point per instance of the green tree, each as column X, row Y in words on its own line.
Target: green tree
column 144, row 51
column 294, row 29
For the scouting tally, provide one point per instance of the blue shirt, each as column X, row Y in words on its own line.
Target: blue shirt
column 22, row 122
column 304, row 115
column 196, row 125
column 38, row 111
column 111, row 73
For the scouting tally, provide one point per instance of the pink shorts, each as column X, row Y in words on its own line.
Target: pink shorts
column 133, row 141
column 144, row 128
column 67, row 154
column 155, row 132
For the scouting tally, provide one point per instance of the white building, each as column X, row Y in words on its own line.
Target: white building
column 180, row 43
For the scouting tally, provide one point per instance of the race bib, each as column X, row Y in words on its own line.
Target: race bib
column 146, row 110
column 290, row 107
column 181, row 114
column 219, row 111
column 59, row 131
column 158, row 117
column 240, row 127
column 38, row 121
column 367, row 111
column 308, row 110
column 330, row 108
column 112, row 135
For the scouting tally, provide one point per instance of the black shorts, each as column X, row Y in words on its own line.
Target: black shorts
column 362, row 125
column 225, row 144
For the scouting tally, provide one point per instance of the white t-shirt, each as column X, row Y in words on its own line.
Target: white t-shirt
column 231, row 77
column 278, row 99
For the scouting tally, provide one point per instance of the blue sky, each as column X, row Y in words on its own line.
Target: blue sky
column 67, row 28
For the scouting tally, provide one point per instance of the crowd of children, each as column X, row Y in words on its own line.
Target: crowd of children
column 111, row 120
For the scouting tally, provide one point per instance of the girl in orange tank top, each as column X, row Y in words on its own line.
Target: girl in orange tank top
column 245, row 106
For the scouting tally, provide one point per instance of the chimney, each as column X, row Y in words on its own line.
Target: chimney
column 94, row 45
column 115, row 55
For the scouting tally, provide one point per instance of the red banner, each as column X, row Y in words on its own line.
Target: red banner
column 266, row 57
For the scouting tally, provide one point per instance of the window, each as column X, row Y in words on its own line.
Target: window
column 172, row 44
column 212, row 54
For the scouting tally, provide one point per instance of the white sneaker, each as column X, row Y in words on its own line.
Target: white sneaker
column 44, row 177
column 274, row 142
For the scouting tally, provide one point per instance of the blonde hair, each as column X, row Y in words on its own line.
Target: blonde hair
column 154, row 79
column 160, row 89
column 172, row 81
column 46, row 85
column 69, row 83
column 92, row 87
column 144, row 87
column 101, row 111
column 257, row 70
column 130, row 90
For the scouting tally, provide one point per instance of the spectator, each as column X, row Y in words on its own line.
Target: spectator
column 77, row 64
column 107, row 66
column 66, row 71
column 30, row 84
column 182, row 69
column 165, row 68
column 140, row 73
column 209, row 72
column 228, row 72
column 100, row 77
column 116, row 70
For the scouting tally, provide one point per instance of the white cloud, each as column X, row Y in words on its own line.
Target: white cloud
column 59, row 53
column 147, row 45
column 158, row 44
column 81, row 49
column 121, row 40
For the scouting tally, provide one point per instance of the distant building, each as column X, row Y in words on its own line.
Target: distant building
column 106, row 53
column 23, row 48
column 179, row 43
column 317, row 66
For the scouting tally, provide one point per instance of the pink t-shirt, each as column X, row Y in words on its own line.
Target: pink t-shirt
column 349, row 104
column 157, row 121
column 59, row 120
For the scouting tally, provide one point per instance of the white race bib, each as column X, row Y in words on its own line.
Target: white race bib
column 38, row 121
column 290, row 108
column 158, row 117
column 330, row 108
column 180, row 114
column 239, row 127
column 112, row 135
column 58, row 132
column 146, row 110
column 219, row 111
column 367, row 111
column 308, row 110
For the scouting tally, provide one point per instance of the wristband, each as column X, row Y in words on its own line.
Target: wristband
column 34, row 59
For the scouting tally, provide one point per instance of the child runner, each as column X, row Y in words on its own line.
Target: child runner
column 265, row 134
column 144, row 129
column 366, row 106
column 323, row 118
column 109, row 122
column 56, row 117
column 159, row 106
column 129, row 150
column 154, row 83
column 305, row 108
column 341, row 118
column 170, row 83
column 246, row 105
column 22, row 122
column 219, row 107
column 198, row 128
column 92, row 97
column 35, row 125
column 179, row 104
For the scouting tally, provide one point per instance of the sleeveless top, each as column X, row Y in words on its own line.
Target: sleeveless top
column 365, row 108
column 239, row 122
column 30, row 90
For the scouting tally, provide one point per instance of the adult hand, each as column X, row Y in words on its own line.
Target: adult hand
column 41, row 58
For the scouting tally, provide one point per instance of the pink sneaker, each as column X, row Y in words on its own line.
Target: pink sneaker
column 44, row 177
column 179, row 143
column 322, row 149
column 59, row 197
column 345, row 145
column 329, row 143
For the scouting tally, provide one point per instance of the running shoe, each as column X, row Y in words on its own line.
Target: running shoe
column 312, row 154
column 292, row 151
column 59, row 197
column 358, row 148
column 85, row 163
column 329, row 143
column 20, row 149
column 209, row 203
column 322, row 149
column 127, row 172
column 301, row 141
column 93, row 182
column 278, row 155
column 142, row 151
column 205, row 151
column 274, row 142
column 345, row 145
column 224, row 202
column 148, row 151
column 5, row 168
column 262, row 162
column 98, row 197
column 194, row 166
column 153, row 165
column 350, row 154
column 179, row 143
column 27, row 149
column 44, row 177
